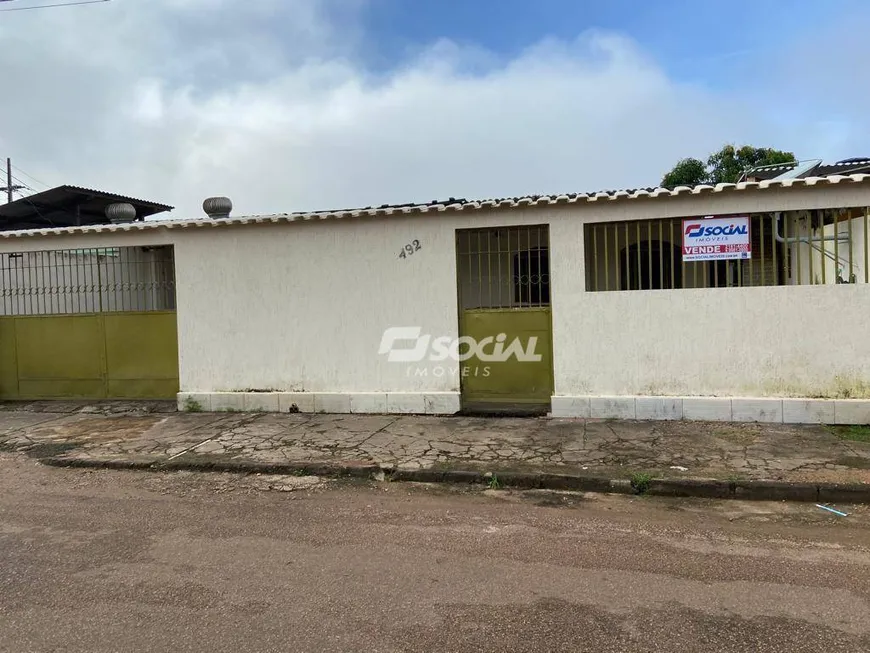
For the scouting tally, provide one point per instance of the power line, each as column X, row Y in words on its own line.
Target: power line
column 11, row 167
column 29, row 176
column 59, row 4
column 24, row 184
column 36, row 208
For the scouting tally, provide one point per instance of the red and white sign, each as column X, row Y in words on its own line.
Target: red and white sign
column 716, row 239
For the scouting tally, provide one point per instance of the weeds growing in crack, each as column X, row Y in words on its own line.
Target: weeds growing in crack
column 640, row 482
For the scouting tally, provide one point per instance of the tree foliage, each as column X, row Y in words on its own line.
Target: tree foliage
column 724, row 166
column 687, row 172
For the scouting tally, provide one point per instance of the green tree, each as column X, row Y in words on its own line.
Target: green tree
column 687, row 172
column 729, row 163
column 725, row 166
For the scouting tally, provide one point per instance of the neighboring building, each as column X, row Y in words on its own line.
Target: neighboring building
column 809, row 168
column 577, row 305
column 71, row 206
column 69, row 313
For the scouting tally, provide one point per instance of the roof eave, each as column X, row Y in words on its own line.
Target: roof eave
column 519, row 202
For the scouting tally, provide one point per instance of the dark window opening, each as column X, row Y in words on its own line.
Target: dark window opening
column 532, row 277
column 651, row 265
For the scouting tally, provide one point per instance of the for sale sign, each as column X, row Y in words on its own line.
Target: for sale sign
column 716, row 239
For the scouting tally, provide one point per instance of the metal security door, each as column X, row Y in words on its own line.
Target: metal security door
column 505, row 326
column 88, row 324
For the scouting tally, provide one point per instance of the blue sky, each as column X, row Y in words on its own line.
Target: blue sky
column 310, row 104
column 696, row 40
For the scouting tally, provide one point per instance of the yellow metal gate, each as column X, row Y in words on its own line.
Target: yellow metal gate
column 505, row 324
column 88, row 324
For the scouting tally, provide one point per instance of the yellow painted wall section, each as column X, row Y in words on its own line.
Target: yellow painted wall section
column 512, row 381
column 141, row 354
column 8, row 363
column 95, row 356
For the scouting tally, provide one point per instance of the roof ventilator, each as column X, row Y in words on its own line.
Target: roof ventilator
column 121, row 212
column 217, row 208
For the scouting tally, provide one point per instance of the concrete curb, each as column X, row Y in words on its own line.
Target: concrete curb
column 681, row 487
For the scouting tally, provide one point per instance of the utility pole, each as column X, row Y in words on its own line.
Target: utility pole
column 9, row 187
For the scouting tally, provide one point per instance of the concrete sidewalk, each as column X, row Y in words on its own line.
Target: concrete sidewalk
column 143, row 434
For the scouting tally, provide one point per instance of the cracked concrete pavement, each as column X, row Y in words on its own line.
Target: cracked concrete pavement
column 153, row 432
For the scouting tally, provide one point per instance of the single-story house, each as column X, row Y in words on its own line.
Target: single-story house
column 743, row 302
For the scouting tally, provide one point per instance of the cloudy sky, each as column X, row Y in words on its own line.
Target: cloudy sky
column 314, row 104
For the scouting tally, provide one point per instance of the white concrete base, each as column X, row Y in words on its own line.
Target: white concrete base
column 228, row 401
column 368, row 402
column 295, row 402
column 331, row 402
column 612, row 408
column 709, row 409
column 409, row 403
column 715, row 409
column 659, row 408
column 405, row 403
column 261, row 402
column 569, row 407
column 808, row 411
column 756, row 410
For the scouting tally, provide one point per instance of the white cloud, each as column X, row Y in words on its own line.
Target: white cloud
column 265, row 102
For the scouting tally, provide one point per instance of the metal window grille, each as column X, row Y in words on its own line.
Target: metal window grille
column 54, row 282
column 505, row 267
column 811, row 247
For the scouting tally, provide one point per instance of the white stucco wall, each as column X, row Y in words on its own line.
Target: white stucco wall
column 765, row 341
column 303, row 307
column 299, row 307
column 786, row 341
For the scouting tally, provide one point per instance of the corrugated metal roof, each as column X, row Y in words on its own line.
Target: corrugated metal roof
column 841, row 168
column 65, row 206
column 121, row 198
column 453, row 204
column 60, row 193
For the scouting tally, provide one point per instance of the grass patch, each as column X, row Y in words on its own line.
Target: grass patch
column 192, row 405
column 854, row 433
column 494, row 483
column 640, row 482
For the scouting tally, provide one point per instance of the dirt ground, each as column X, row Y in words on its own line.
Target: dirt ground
column 139, row 561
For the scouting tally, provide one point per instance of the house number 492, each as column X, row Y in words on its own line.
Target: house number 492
column 409, row 249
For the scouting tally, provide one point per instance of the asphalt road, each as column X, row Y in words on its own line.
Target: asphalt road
column 134, row 561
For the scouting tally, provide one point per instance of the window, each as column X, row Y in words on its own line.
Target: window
column 531, row 276
column 55, row 282
column 820, row 246
column 651, row 265
column 504, row 267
